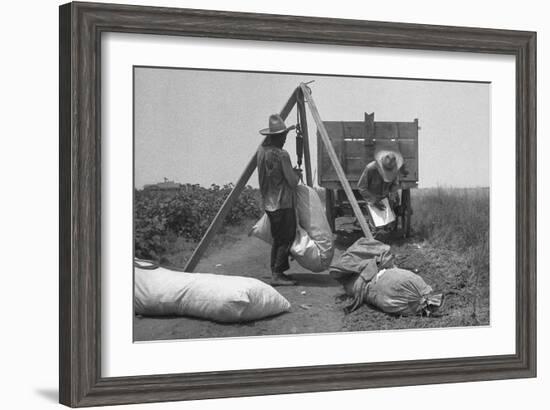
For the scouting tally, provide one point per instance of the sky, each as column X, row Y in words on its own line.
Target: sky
column 201, row 126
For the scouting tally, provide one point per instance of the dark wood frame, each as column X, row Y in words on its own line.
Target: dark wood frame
column 81, row 26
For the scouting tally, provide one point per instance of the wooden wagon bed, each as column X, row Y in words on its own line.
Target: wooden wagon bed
column 355, row 143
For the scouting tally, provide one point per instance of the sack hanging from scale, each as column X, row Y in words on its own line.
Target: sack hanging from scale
column 313, row 247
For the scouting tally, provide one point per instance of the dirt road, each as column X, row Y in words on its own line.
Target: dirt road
column 318, row 301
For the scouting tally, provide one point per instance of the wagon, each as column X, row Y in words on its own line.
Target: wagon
column 355, row 143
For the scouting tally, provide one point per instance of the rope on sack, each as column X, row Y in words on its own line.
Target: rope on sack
column 145, row 264
column 361, row 287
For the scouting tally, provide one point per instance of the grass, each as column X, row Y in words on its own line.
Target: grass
column 449, row 249
column 456, row 217
column 458, row 220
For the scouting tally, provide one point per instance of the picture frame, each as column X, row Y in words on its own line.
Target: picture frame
column 80, row 180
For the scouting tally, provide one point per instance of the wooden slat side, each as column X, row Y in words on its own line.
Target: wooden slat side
column 307, row 155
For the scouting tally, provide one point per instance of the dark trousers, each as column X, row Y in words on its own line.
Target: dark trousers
column 283, row 231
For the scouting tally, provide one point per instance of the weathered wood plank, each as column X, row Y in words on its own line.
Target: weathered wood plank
column 217, row 222
column 335, row 163
column 301, row 106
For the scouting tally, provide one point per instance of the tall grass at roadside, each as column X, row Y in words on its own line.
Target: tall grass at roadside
column 457, row 219
column 454, row 218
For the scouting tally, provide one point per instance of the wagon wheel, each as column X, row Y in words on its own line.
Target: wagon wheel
column 406, row 212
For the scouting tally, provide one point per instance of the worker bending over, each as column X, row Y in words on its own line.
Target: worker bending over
column 379, row 181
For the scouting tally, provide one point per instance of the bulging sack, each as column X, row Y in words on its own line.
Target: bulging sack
column 312, row 217
column 398, row 291
column 221, row 298
column 308, row 252
column 313, row 247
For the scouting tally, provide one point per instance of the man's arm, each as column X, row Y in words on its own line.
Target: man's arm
column 395, row 185
column 288, row 172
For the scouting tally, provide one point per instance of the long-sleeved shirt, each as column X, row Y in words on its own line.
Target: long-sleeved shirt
column 372, row 186
column 276, row 177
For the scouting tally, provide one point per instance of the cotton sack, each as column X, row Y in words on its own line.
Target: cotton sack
column 399, row 292
column 221, row 298
column 313, row 247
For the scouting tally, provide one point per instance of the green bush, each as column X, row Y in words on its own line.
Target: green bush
column 160, row 216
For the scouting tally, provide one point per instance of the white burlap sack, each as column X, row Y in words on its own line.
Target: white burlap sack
column 262, row 230
column 313, row 247
column 221, row 298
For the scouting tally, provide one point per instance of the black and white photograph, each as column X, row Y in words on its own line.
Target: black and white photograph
column 243, row 205
column 274, row 203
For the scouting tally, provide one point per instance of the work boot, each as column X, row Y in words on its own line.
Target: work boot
column 279, row 279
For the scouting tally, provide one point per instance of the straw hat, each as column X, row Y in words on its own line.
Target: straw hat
column 276, row 126
column 388, row 163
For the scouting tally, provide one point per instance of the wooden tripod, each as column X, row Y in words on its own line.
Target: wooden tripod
column 299, row 97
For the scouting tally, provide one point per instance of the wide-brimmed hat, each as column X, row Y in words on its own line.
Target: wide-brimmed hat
column 276, row 126
column 388, row 162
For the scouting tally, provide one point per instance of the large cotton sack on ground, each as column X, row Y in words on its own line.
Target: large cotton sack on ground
column 313, row 247
column 398, row 291
column 221, row 298
column 358, row 265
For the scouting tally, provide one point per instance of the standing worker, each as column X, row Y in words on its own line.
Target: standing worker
column 378, row 183
column 278, row 181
